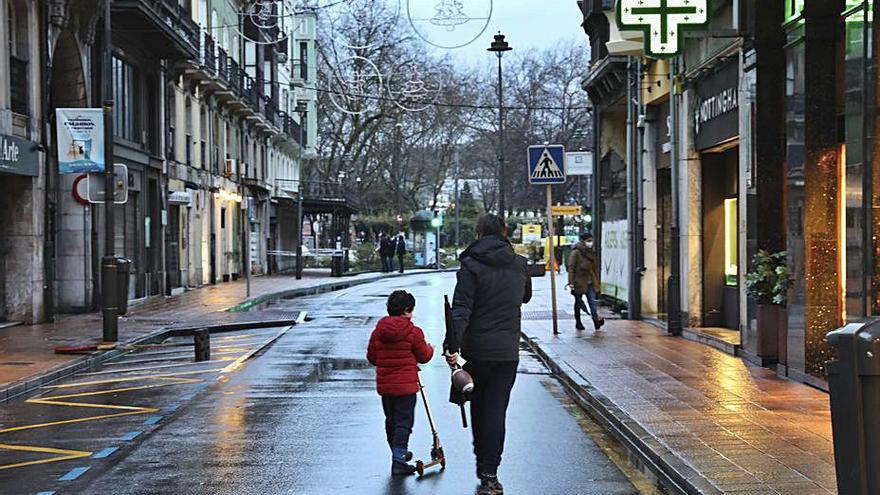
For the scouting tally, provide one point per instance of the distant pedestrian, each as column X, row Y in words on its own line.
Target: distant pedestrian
column 400, row 249
column 493, row 283
column 583, row 279
column 386, row 252
column 396, row 348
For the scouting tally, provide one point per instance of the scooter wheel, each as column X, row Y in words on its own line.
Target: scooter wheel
column 443, row 463
column 420, row 468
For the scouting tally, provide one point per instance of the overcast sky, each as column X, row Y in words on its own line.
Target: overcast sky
column 527, row 24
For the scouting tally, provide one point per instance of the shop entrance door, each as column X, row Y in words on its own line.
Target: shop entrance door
column 720, row 239
column 664, row 239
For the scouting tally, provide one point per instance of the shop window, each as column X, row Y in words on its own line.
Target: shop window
column 731, row 254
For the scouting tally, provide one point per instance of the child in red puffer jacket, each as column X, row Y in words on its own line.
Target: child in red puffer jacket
column 396, row 349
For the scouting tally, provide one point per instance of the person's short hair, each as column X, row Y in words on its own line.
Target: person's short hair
column 490, row 224
column 586, row 236
column 400, row 302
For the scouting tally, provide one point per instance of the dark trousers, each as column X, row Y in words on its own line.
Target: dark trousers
column 399, row 416
column 592, row 300
column 386, row 263
column 400, row 259
column 493, row 381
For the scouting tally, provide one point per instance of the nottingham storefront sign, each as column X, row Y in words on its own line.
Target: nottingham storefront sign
column 80, row 140
column 663, row 22
column 18, row 156
column 716, row 110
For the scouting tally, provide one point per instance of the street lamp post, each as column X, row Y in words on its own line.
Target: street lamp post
column 302, row 109
column 109, row 265
column 498, row 47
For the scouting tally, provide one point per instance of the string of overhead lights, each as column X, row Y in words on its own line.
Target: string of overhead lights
column 444, row 104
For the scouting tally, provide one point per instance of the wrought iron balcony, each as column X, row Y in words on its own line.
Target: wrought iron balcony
column 166, row 23
column 209, row 53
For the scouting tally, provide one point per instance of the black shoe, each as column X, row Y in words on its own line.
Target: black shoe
column 598, row 323
column 579, row 326
column 489, row 485
column 402, row 468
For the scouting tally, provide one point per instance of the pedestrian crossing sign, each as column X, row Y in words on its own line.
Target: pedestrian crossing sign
column 547, row 164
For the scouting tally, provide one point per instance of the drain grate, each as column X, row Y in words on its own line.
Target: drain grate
column 16, row 363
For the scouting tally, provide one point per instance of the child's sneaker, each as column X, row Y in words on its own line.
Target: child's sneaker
column 399, row 463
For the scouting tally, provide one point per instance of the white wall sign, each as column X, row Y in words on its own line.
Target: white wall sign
column 579, row 162
column 615, row 259
column 663, row 22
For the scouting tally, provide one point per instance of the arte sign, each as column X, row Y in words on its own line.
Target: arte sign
column 615, row 259
column 716, row 107
column 80, row 140
column 663, row 22
column 18, row 156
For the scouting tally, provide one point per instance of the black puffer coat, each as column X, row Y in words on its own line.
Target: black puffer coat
column 492, row 285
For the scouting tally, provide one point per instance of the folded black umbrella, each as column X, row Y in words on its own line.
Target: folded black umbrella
column 456, row 396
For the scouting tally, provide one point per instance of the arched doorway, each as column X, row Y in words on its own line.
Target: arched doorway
column 74, row 263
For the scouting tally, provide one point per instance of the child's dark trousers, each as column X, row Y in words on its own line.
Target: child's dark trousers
column 399, row 416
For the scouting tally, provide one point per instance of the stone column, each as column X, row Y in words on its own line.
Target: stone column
column 822, row 172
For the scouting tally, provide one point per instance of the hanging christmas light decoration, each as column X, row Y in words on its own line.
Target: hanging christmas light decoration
column 449, row 24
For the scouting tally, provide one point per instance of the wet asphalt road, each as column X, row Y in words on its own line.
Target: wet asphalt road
column 300, row 417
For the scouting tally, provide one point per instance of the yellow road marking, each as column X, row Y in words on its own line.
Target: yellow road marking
column 58, row 400
column 63, row 455
column 131, row 379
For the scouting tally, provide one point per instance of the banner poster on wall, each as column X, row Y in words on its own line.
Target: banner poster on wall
column 615, row 259
column 80, row 140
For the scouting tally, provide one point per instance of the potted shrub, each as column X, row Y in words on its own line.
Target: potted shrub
column 768, row 284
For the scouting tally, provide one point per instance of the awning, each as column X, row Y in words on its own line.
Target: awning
column 180, row 198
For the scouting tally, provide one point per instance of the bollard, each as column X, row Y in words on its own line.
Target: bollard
column 854, row 382
column 202, row 343
column 123, row 273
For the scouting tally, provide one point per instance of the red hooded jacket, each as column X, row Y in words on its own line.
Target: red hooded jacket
column 396, row 349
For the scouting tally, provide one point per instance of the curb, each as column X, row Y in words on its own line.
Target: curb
column 645, row 451
column 21, row 388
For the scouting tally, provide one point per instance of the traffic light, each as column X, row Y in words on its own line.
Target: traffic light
column 437, row 221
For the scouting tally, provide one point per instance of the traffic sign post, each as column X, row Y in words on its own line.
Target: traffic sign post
column 547, row 167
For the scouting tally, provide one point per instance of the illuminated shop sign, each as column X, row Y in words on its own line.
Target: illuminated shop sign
column 663, row 22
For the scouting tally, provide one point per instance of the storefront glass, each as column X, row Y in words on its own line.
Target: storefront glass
column 794, row 186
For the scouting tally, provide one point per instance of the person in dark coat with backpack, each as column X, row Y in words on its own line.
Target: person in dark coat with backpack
column 583, row 280
column 492, row 285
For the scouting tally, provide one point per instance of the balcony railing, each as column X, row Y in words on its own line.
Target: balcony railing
column 172, row 25
column 209, row 53
column 18, row 86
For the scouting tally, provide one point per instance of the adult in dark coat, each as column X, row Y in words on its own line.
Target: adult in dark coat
column 386, row 252
column 493, row 283
column 583, row 279
column 400, row 249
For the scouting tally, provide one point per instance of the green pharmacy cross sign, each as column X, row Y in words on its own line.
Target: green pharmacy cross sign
column 663, row 22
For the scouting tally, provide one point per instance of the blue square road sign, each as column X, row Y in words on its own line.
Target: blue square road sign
column 547, row 164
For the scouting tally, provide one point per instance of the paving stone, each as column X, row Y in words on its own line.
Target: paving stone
column 739, row 426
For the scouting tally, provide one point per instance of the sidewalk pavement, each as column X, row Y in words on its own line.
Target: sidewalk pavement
column 27, row 352
column 706, row 421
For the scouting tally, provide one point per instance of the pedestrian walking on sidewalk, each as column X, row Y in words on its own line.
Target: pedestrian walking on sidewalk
column 493, row 284
column 400, row 249
column 583, row 279
column 396, row 348
column 386, row 252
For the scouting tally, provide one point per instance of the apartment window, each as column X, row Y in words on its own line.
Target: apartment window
column 17, row 32
column 125, row 95
column 304, row 61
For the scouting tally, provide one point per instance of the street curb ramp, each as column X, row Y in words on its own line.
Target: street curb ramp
column 645, row 451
